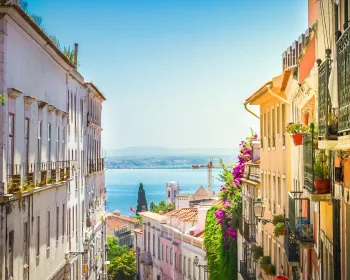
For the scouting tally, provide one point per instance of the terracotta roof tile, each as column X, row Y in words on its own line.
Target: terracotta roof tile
column 184, row 214
column 125, row 218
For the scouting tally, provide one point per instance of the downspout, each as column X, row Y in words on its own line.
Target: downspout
column 246, row 108
column 346, row 16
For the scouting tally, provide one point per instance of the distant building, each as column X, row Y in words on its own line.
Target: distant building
column 122, row 227
column 192, row 200
column 172, row 190
column 120, row 230
column 170, row 246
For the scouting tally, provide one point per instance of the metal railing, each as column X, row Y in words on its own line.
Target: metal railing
column 343, row 49
column 324, row 100
column 249, row 231
column 290, row 245
column 243, row 270
column 309, row 157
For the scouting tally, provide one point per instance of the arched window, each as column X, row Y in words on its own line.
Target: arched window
column 168, row 193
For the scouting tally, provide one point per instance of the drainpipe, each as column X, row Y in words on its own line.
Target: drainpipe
column 346, row 16
column 245, row 107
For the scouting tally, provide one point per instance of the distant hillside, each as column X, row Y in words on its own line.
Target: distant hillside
column 159, row 151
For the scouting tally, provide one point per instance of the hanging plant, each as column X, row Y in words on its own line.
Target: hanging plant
column 296, row 130
column 280, row 229
column 270, row 270
column 2, row 99
column 258, row 252
column 277, row 219
column 265, row 261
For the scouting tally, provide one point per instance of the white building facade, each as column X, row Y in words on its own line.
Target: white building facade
column 43, row 169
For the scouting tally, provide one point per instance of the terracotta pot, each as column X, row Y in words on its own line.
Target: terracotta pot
column 283, row 232
column 322, row 186
column 298, row 139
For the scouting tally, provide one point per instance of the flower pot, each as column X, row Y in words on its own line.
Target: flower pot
column 322, row 186
column 298, row 139
column 332, row 130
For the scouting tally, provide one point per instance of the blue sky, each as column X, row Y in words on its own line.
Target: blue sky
column 176, row 72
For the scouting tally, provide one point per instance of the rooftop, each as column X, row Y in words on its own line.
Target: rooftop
column 153, row 216
column 125, row 218
column 184, row 214
column 202, row 193
column 112, row 225
column 97, row 90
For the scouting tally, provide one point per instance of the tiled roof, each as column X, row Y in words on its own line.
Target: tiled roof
column 138, row 230
column 202, row 193
column 125, row 218
column 184, row 214
column 153, row 216
column 114, row 223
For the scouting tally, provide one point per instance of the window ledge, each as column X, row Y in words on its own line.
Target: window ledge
column 283, row 147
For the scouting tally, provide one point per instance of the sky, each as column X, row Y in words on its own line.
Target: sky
column 176, row 72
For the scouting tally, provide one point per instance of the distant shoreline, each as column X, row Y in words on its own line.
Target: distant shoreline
column 159, row 168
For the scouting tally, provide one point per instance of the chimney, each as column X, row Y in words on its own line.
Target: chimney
column 76, row 54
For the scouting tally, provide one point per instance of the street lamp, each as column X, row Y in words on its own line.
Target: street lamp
column 196, row 262
column 259, row 210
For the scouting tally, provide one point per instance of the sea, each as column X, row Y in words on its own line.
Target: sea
column 122, row 185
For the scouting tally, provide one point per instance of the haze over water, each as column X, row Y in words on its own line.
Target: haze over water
column 122, row 185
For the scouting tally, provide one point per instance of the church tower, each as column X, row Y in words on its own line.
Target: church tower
column 172, row 189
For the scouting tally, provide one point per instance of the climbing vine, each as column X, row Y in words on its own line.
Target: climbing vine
column 222, row 222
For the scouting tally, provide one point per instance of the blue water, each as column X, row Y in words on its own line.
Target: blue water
column 122, row 185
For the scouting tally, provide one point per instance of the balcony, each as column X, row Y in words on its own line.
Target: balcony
column 96, row 165
column 13, row 178
column 299, row 223
column 291, row 246
column 249, row 231
column 343, row 49
column 327, row 122
column 52, row 166
column 310, row 191
column 41, row 169
column 244, row 271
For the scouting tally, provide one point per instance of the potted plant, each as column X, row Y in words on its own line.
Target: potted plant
column 277, row 219
column 280, row 229
column 270, row 270
column 321, row 181
column 332, row 123
column 258, row 252
column 296, row 130
column 265, row 261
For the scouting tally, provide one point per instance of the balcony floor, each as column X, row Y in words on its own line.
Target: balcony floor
column 343, row 143
column 317, row 197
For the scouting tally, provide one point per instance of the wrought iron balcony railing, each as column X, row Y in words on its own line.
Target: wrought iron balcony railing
column 291, row 246
column 343, row 49
column 13, row 177
column 309, row 155
column 249, row 231
column 246, row 274
column 327, row 122
column 299, row 224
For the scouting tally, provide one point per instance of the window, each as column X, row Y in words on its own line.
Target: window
column 11, row 146
column 144, row 239
column 71, row 96
column 158, row 248
column 73, row 221
column 49, row 141
column 162, row 252
column 154, row 245
column 11, row 239
column 39, row 140
column 184, row 268
column 149, row 242
column 58, row 144
column 63, row 221
column 278, row 120
column 37, row 236
column 63, row 143
column 189, row 267
column 57, row 222
column 175, row 261
column 69, row 228
column 194, row 271
column 48, row 227
column 166, row 254
column 26, row 141
column 68, row 102
column 180, row 263
column 168, row 193
column 171, row 256
column 76, row 221
column 25, row 249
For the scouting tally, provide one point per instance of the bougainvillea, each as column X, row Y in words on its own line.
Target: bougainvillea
column 230, row 192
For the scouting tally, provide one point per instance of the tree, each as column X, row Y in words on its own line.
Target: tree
column 123, row 267
column 114, row 250
column 162, row 206
column 122, row 261
column 141, row 199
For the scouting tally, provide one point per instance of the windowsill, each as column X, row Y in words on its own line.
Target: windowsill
column 283, row 147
